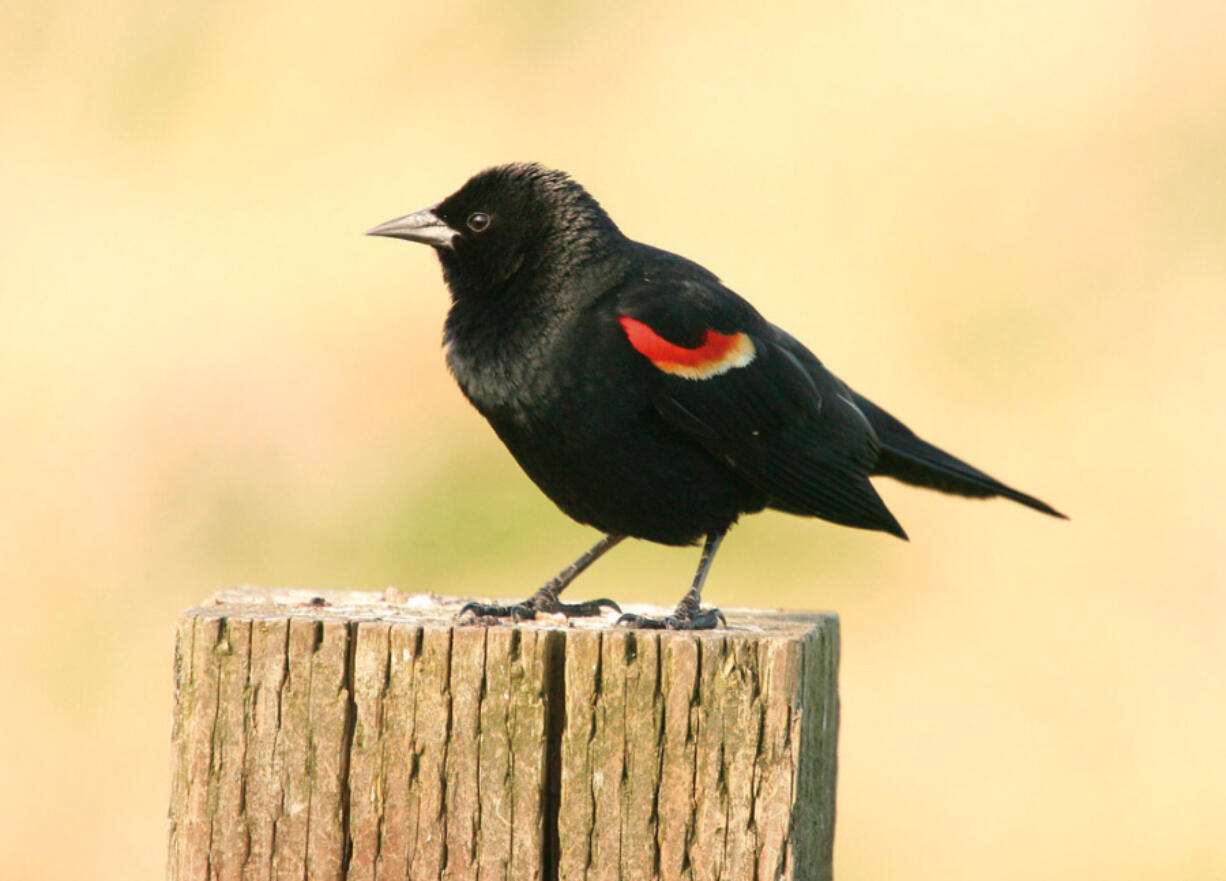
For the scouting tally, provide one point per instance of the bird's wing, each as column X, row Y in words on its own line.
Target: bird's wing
column 756, row 399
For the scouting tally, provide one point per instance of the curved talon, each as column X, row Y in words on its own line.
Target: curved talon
column 586, row 609
column 705, row 619
column 641, row 622
column 484, row 613
column 528, row 610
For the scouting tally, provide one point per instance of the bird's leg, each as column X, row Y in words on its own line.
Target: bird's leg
column 689, row 614
column 546, row 599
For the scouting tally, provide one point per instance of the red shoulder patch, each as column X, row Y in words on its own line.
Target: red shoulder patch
column 718, row 353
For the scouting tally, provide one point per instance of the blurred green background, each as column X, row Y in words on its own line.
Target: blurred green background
column 1006, row 222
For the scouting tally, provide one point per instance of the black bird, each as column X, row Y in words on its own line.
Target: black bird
column 644, row 397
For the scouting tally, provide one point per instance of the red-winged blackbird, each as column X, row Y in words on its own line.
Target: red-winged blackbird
column 640, row 394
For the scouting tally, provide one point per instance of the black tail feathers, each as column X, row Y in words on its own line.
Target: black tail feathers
column 908, row 458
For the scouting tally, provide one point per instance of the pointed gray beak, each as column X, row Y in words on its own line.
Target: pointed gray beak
column 421, row 226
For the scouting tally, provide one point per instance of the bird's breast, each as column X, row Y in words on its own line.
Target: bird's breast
column 524, row 386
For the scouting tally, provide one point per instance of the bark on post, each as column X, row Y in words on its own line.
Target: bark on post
column 364, row 736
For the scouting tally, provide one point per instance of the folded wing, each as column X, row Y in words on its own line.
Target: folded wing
column 782, row 423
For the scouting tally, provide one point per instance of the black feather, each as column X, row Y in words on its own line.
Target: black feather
column 910, row 459
column 623, row 380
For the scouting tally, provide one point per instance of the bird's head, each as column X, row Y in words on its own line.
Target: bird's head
column 506, row 219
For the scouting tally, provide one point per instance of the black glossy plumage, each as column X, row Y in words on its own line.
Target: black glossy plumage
column 540, row 278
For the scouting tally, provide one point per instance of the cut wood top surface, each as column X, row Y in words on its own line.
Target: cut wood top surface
column 345, row 736
column 432, row 609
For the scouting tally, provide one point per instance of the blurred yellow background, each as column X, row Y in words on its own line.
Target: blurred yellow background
column 1005, row 222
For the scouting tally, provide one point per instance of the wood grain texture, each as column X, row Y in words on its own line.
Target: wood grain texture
column 365, row 736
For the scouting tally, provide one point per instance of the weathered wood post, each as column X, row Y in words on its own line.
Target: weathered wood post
column 365, row 736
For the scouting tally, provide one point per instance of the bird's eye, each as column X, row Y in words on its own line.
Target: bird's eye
column 478, row 221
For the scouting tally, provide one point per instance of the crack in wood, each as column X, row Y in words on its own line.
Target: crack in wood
column 363, row 740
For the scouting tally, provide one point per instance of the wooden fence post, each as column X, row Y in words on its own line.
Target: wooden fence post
column 365, row 736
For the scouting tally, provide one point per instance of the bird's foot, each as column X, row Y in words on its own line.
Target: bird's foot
column 684, row 618
column 489, row 613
